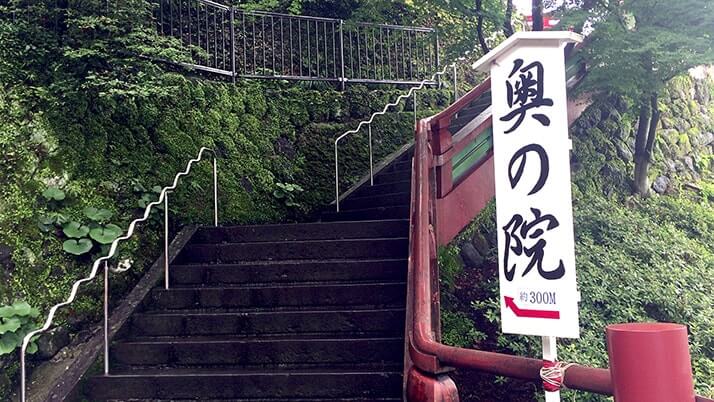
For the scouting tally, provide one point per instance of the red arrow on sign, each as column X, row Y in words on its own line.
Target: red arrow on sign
column 553, row 315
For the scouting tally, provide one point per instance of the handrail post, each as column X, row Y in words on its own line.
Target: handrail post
column 166, row 239
column 456, row 90
column 233, row 44
column 215, row 190
column 415, row 109
column 371, row 165
column 337, row 180
column 106, row 317
column 438, row 67
column 342, row 57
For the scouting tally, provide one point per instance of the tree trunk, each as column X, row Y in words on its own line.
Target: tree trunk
column 644, row 144
column 652, row 133
column 640, row 179
column 479, row 27
column 507, row 24
column 537, row 10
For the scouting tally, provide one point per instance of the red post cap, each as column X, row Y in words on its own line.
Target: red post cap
column 650, row 362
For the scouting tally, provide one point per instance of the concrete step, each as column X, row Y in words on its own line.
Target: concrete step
column 368, row 213
column 183, row 323
column 294, row 250
column 379, row 189
column 382, row 200
column 258, row 352
column 466, row 115
column 233, row 384
column 301, row 231
column 302, row 295
column 290, row 271
column 402, row 164
column 392, row 177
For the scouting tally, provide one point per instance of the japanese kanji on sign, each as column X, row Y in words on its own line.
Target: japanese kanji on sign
column 533, row 197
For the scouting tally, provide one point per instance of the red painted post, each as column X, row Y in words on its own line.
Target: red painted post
column 650, row 362
column 423, row 387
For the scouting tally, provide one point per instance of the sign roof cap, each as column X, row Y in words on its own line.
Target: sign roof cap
column 532, row 38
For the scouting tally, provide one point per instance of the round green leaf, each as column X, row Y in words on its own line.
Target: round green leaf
column 77, row 247
column 22, row 308
column 7, row 311
column 10, row 325
column 75, row 230
column 31, row 348
column 105, row 234
column 8, row 342
column 97, row 215
column 53, row 193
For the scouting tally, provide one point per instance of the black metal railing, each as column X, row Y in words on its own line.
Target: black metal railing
column 255, row 44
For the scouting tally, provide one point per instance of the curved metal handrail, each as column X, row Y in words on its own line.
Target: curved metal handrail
column 112, row 250
column 369, row 121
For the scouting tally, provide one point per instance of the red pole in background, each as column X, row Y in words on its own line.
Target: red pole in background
column 650, row 362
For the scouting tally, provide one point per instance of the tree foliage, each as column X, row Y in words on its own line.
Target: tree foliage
column 635, row 48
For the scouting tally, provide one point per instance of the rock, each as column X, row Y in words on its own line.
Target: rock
column 670, row 165
column 472, row 258
column 613, row 176
column 51, row 342
column 5, row 362
column 481, row 244
column 6, row 258
column 707, row 139
column 285, row 147
column 246, row 184
column 493, row 238
column 623, row 151
column 689, row 162
column 682, row 125
column 661, row 184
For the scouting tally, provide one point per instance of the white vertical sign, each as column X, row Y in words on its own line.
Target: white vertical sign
column 533, row 197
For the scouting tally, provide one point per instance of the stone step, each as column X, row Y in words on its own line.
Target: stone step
column 393, row 212
column 300, row 295
column 290, row 271
column 378, row 321
column 173, row 384
column 293, row 250
column 378, row 189
column 258, row 352
column 301, row 231
column 392, row 177
column 382, row 200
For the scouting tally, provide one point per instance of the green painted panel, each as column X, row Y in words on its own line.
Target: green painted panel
column 472, row 154
column 481, row 145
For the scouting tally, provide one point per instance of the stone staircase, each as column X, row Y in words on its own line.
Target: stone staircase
column 299, row 312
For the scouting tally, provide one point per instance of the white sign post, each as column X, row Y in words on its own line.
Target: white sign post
column 538, row 290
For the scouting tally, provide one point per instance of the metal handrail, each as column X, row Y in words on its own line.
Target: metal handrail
column 236, row 42
column 163, row 198
column 368, row 123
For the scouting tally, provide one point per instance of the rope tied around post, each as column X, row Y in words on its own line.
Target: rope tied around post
column 553, row 374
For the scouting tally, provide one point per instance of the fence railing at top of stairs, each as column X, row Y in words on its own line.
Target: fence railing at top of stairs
column 234, row 42
column 104, row 261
